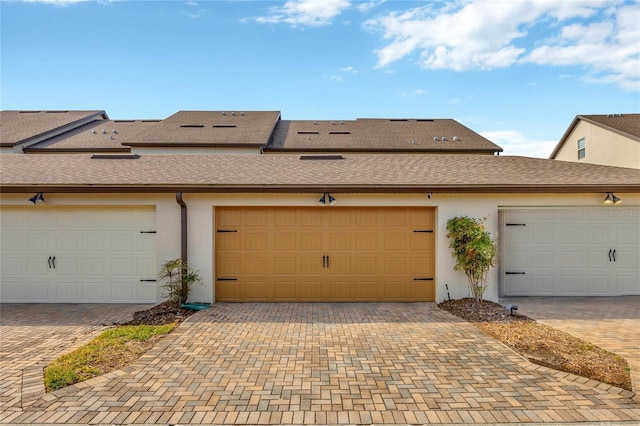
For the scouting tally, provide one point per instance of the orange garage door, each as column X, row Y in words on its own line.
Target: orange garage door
column 330, row 254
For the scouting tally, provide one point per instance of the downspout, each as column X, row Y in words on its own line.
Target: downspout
column 183, row 226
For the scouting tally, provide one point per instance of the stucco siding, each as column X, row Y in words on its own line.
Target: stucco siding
column 202, row 208
column 602, row 146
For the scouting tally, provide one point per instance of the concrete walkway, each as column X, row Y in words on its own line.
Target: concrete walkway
column 613, row 323
column 326, row 364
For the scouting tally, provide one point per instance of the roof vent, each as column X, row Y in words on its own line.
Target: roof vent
column 104, row 131
column 93, row 131
column 315, row 123
column 333, row 123
column 444, row 138
column 224, row 125
column 322, row 157
column 435, row 138
column 425, row 120
column 115, row 131
column 224, row 113
column 192, row 125
column 115, row 156
column 398, row 119
column 241, row 113
column 233, row 113
column 455, row 138
column 340, row 132
column 308, row 132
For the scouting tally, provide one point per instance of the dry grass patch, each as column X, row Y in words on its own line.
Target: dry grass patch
column 542, row 344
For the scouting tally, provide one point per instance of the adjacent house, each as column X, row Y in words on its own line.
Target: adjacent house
column 611, row 140
column 296, row 211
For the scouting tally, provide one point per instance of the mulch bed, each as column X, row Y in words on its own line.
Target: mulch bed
column 542, row 344
column 164, row 313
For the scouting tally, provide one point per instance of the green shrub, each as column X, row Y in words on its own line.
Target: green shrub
column 474, row 250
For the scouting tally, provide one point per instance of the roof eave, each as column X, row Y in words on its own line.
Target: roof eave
column 405, row 189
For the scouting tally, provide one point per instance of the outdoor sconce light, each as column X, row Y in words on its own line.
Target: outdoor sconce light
column 429, row 195
column 326, row 197
column 37, row 199
column 611, row 199
column 512, row 308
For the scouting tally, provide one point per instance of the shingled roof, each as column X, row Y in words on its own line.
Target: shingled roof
column 210, row 128
column 293, row 173
column 99, row 136
column 24, row 127
column 379, row 135
column 624, row 124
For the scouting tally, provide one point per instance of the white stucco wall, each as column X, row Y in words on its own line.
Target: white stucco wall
column 201, row 210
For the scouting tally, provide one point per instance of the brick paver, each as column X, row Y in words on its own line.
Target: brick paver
column 329, row 363
column 613, row 323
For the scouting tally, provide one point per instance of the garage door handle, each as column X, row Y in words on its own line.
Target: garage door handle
column 609, row 255
column 324, row 261
column 614, row 255
column 515, row 273
column 53, row 260
column 49, row 261
column 327, row 261
column 226, row 279
column 147, row 281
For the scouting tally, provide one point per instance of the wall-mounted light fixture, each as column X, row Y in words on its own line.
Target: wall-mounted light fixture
column 327, row 198
column 611, row 199
column 37, row 199
column 429, row 195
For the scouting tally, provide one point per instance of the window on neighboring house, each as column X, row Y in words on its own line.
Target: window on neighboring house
column 581, row 149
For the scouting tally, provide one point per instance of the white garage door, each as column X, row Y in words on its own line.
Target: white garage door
column 87, row 255
column 571, row 252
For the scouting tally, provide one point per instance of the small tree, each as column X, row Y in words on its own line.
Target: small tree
column 179, row 277
column 474, row 250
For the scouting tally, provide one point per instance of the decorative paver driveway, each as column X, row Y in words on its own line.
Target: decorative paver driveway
column 329, row 363
column 613, row 323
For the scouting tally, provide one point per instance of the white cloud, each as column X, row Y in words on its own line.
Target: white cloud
column 600, row 36
column 515, row 143
column 313, row 13
column 368, row 5
column 349, row 69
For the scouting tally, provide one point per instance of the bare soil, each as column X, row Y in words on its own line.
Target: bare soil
column 542, row 344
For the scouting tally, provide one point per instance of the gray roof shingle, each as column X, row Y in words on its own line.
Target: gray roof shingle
column 379, row 135
column 286, row 172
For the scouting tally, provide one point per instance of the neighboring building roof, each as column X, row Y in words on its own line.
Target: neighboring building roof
column 22, row 127
column 99, row 136
column 624, row 124
column 379, row 135
column 310, row 173
column 210, row 128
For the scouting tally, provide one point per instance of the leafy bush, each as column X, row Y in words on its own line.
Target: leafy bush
column 179, row 278
column 474, row 250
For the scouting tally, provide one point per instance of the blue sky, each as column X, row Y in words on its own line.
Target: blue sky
column 516, row 71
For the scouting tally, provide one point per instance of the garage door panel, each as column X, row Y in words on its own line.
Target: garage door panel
column 93, row 291
column 66, row 265
column 311, row 241
column 628, row 284
column 255, row 241
column 97, row 244
column 571, row 285
column 596, row 251
column 395, row 290
column 285, row 241
column 66, row 291
column 284, row 290
column 285, row 265
column 395, row 241
column 421, row 290
column 329, row 254
column 254, row 218
column 37, row 291
column 597, row 285
column 366, row 290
